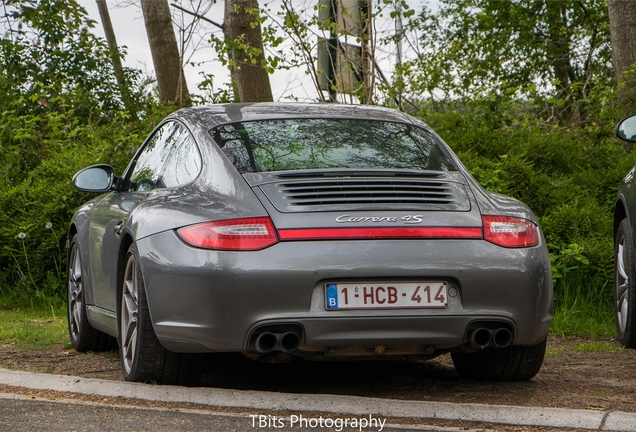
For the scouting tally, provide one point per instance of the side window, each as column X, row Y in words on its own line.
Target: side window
column 184, row 163
column 147, row 172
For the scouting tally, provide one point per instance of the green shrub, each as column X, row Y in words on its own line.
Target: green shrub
column 61, row 110
column 569, row 177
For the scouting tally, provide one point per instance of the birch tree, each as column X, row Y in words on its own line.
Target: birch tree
column 167, row 62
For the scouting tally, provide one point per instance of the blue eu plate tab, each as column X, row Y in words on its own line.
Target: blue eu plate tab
column 332, row 296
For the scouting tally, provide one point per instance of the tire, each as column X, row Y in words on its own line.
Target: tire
column 83, row 336
column 142, row 356
column 625, row 286
column 513, row 363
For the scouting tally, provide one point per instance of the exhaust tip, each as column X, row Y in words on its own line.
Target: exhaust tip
column 266, row 342
column 480, row 338
column 501, row 338
column 289, row 342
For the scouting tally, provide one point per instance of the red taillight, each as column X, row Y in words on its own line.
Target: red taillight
column 380, row 233
column 233, row 234
column 510, row 231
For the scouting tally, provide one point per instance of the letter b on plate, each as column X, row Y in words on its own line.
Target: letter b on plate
column 332, row 296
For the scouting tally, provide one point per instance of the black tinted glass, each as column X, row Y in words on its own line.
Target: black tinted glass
column 280, row 145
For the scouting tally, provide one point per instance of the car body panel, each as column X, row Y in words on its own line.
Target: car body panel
column 623, row 208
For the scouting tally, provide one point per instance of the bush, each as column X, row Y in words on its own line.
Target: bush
column 35, row 210
column 569, row 176
column 61, row 111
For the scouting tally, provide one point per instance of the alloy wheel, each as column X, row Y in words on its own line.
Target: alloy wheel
column 622, row 285
column 75, row 293
column 129, row 314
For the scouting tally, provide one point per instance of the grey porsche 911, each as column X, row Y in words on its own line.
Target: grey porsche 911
column 317, row 231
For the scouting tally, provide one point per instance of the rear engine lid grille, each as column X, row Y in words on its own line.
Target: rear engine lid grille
column 366, row 193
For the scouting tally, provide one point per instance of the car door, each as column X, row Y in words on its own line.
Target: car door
column 147, row 173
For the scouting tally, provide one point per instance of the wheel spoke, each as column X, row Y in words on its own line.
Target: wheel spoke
column 131, row 327
column 621, row 292
column 134, row 288
column 131, row 306
column 73, row 324
column 75, row 269
column 129, row 350
column 621, row 261
column 76, row 316
column 126, row 356
column 621, row 317
column 133, row 340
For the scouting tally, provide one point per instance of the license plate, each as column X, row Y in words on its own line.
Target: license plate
column 389, row 295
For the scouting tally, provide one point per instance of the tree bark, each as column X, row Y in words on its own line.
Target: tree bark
column 116, row 58
column 367, row 51
column 622, row 20
column 243, row 35
column 559, row 46
column 173, row 88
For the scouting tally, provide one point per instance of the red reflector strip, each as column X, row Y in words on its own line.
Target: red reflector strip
column 381, row 233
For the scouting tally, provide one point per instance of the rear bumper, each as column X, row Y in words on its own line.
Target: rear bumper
column 204, row 300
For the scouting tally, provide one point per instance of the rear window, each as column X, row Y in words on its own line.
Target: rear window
column 298, row 144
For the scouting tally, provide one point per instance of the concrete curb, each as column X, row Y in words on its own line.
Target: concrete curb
column 351, row 405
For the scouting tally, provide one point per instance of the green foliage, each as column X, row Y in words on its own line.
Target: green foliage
column 61, row 111
column 567, row 259
column 555, row 52
column 39, row 206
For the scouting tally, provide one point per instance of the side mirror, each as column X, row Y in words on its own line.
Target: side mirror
column 96, row 178
column 626, row 129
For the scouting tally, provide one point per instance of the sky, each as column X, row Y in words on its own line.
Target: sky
column 128, row 25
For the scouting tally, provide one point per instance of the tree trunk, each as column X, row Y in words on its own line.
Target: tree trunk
column 558, row 49
column 165, row 53
column 367, row 51
column 243, row 35
column 622, row 20
column 115, row 58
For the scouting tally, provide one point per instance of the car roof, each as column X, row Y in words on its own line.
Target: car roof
column 213, row 115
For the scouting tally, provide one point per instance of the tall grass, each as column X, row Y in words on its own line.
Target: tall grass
column 582, row 309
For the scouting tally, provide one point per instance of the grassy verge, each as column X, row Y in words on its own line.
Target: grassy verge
column 33, row 329
column 579, row 310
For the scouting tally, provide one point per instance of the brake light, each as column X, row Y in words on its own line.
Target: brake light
column 380, row 233
column 510, row 231
column 232, row 234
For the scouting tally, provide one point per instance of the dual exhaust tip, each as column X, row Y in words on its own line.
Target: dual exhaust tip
column 482, row 338
column 286, row 342
column 289, row 342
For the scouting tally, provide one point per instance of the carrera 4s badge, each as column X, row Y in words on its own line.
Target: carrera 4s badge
column 411, row 219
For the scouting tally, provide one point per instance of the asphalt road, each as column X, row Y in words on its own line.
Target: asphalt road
column 24, row 414
column 63, row 406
